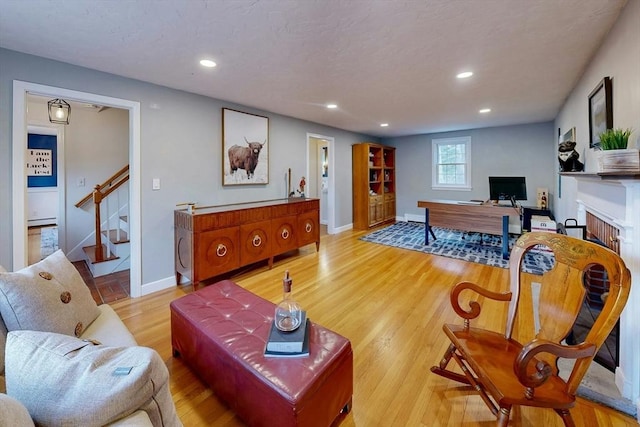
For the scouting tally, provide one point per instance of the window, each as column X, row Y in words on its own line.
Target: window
column 451, row 168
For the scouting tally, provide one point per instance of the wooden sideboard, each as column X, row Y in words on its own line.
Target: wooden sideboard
column 214, row 240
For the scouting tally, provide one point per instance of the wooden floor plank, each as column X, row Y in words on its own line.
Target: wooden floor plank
column 391, row 303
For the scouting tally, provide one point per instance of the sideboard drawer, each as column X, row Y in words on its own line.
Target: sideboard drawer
column 217, row 252
column 255, row 239
column 308, row 228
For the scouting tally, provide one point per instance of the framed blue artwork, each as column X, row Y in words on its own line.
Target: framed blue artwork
column 42, row 160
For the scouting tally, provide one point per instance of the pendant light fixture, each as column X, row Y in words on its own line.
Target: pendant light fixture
column 59, row 111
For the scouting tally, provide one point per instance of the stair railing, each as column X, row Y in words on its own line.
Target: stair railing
column 100, row 193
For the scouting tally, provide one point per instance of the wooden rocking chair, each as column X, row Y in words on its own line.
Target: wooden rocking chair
column 506, row 372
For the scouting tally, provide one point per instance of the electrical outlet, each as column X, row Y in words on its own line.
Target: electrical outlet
column 81, row 182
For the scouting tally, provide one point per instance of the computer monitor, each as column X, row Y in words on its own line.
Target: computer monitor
column 507, row 188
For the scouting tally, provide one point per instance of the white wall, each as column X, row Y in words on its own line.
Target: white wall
column 618, row 58
column 42, row 205
column 522, row 150
column 180, row 144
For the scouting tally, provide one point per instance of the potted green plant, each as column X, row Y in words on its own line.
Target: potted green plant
column 614, row 139
column 615, row 156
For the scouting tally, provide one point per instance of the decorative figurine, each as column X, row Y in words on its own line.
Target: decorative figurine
column 303, row 183
column 568, row 157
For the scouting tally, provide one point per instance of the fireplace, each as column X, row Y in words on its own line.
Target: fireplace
column 596, row 283
column 611, row 204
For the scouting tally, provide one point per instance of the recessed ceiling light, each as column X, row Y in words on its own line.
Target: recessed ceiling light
column 465, row 75
column 208, row 63
column 384, row 125
column 484, row 111
column 332, row 106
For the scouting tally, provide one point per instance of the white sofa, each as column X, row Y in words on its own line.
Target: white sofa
column 49, row 371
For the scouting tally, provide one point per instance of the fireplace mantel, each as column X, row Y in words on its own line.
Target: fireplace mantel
column 621, row 176
column 616, row 200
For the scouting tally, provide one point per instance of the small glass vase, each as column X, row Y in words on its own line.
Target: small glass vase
column 288, row 313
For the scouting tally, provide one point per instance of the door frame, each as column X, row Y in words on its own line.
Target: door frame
column 331, row 193
column 19, row 186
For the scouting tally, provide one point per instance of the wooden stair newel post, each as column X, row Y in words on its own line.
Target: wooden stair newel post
column 97, row 199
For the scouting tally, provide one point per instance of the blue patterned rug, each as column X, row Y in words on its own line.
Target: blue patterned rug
column 48, row 241
column 450, row 243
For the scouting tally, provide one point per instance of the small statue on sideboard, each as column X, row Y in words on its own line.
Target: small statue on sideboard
column 568, row 157
column 303, row 183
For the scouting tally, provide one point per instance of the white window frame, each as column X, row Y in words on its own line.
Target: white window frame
column 437, row 142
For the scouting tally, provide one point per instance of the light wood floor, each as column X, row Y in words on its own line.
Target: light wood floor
column 391, row 304
column 34, row 235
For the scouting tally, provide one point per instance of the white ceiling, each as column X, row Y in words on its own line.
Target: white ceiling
column 379, row 60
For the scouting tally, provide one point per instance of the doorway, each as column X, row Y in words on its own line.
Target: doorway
column 19, row 196
column 321, row 175
column 45, row 189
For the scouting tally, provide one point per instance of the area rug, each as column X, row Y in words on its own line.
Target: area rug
column 473, row 247
column 48, row 241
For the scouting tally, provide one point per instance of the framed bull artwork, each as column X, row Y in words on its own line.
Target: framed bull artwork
column 245, row 148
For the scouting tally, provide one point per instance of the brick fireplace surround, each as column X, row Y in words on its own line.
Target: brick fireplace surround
column 616, row 201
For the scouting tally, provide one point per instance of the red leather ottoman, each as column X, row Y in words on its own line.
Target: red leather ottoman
column 221, row 331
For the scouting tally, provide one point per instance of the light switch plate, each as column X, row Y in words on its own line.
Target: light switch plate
column 156, row 184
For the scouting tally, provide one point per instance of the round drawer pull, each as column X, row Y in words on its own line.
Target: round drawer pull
column 308, row 227
column 221, row 250
column 257, row 241
column 285, row 234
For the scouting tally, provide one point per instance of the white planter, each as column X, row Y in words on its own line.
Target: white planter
column 611, row 161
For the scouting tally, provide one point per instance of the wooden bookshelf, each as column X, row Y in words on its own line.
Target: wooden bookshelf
column 374, row 185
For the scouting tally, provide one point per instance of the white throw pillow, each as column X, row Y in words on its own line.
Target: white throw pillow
column 63, row 380
column 48, row 296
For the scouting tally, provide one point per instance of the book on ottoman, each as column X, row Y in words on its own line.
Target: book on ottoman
column 294, row 343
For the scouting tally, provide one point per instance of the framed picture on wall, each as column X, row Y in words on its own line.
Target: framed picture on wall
column 569, row 135
column 600, row 111
column 245, row 148
column 42, row 160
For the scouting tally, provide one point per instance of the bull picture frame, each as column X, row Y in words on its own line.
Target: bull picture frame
column 600, row 111
column 245, row 148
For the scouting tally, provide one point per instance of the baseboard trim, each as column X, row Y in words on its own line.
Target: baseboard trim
column 343, row 228
column 158, row 285
column 413, row 217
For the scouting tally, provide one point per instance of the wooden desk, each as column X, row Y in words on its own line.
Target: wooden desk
column 485, row 218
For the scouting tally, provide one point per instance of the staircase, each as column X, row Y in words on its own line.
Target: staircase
column 115, row 252
column 111, row 252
